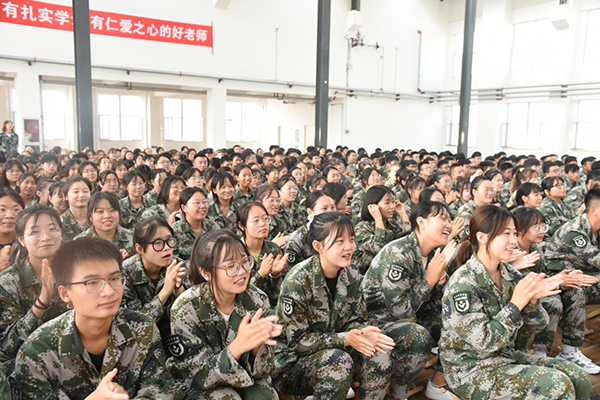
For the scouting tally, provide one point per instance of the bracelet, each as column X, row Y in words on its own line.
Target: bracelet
column 35, row 304
column 443, row 277
column 41, row 302
column 274, row 276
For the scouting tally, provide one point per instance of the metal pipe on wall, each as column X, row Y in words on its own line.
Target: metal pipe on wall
column 466, row 76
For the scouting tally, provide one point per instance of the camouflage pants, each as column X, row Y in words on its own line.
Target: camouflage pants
column 5, row 392
column 413, row 349
column 531, row 378
column 592, row 293
column 429, row 317
column 566, row 310
column 261, row 390
column 328, row 374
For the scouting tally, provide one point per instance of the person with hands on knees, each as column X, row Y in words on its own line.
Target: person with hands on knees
column 27, row 294
column 486, row 302
column 566, row 309
column 403, row 289
column 222, row 326
column 327, row 340
column 253, row 222
column 154, row 278
column 97, row 350
column 379, row 225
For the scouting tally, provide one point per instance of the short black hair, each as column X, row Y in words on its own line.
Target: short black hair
column 591, row 196
column 72, row 253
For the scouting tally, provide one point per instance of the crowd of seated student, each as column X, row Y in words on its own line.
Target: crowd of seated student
column 240, row 274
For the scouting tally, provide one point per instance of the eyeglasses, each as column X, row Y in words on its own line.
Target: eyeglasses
column 14, row 211
column 111, row 182
column 560, row 186
column 257, row 221
column 50, row 232
column 159, row 244
column 97, row 285
column 541, row 228
column 204, row 203
column 274, row 200
column 234, row 268
column 290, row 189
column 88, row 171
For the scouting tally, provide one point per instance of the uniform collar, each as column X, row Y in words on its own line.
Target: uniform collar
column 27, row 274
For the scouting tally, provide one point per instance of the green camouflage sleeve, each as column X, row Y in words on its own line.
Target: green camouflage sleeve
column 582, row 248
column 295, row 248
column 198, row 366
column 154, row 309
column 299, row 330
column 16, row 323
column 473, row 325
column 264, row 362
column 370, row 241
column 32, row 375
column 271, row 286
column 5, row 391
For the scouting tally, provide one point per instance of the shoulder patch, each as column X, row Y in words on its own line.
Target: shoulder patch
column 462, row 302
column 577, row 239
column 395, row 273
column 174, row 344
column 580, row 241
column 291, row 257
column 466, row 230
column 287, row 305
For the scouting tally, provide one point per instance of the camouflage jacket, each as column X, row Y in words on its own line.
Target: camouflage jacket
column 297, row 247
column 574, row 246
column 269, row 285
column 150, row 197
column 394, row 286
column 370, row 240
column 157, row 210
column 19, row 288
column 346, row 181
column 540, row 265
column 465, row 213
column 186, row 237
column 401, row 194
column 54, row 364
column 302, row 193
column 123, row 238
column 293, row 218
column 241, row 198
column 9, row 143
column 129, row 215
column 409, row 205
column 276, row 226
column 455, row 206
column 480, row 325
column 228, row 221
column 5, row 391
column 70, row 226
column 312, row 319
column 140, row 293
column 356, row 204
column 556, row 215
column 505, row 194
column 200, row 342
column 574, row 199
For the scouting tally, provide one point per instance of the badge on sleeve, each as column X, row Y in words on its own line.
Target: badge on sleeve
column 462, row 302
column 291, row 257
column 174, row 344
column 580, row 241
column 287, row 305
column 395, row 273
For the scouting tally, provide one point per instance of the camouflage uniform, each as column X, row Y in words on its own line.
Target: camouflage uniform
column 477, row 347
column 293, row 218
column 5, row 391
column 19, row 288
column 129, row 215
column 123, row 238
column 70, row 226
column 409, row 205
column 356, row 204
column 9, row 143
column 301, row 196
column 54, row 364
column 465, row 213
column 505, row 194
column 140, row 293
column 186, row 237
column 228, row 221
column 401, row 194
column 242, row 198
column 297, row 248
column 566, row 309
column 370, row 240
column 276, row 226
column 201, row 358
column 121, row 194
column 269, row 285
column 150, row 198
column 574, row 199
column 315, row 328
column 396, row 294
column 555, row 214
column 455, row 206
column 575, row 246
column 157, row 210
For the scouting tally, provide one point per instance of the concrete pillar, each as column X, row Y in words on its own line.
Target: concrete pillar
column 215, row 117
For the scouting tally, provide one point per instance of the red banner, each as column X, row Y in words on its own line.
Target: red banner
column 53, row 16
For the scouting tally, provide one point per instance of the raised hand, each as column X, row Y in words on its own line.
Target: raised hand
column 280, row 239
column 266, row 265
column 279, row 264
column 577, row 278
column 173, row 275
column 522, row 260
column 254, row 332
column 458, row 225
column 548, row 286
column 526, row 289
column 108, row 390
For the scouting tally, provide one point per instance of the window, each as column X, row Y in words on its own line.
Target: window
column 458, row 54
column 526, row 125
column 121, row 117
column 592, row 39
column 584, row 132
column 183, row 120
column 453, row 122
column 242, row 121
column 532, row 44
column 54, row 103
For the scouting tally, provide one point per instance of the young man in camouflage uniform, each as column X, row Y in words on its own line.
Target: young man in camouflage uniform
column 85, row 350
